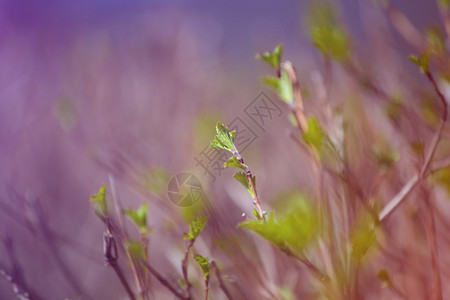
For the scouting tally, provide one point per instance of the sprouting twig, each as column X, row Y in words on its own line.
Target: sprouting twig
column 222, row 285
column 163, row 281
column 111, row 256
column 413, row 182
column 124, row 233
column 184, row 267
column 248, row 173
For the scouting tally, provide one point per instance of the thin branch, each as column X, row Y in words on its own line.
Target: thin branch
column 222, row 285
column 413, row 182
column 184, row 267
column 124, row 235
column 163, row 281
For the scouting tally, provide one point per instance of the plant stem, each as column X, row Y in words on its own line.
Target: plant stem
column 248, row 173
column 163, row 281
column 184, row 267
column 413, row 182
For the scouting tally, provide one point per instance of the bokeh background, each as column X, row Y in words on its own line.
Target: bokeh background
column 93, row 90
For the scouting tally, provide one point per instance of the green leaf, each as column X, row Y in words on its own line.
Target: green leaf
column 234, row 162
column 99, row 199
column 224, row 139
column 242, row 178
column 293, row 227
column 282, row 85
column 422, row 61
column 272, row 58
column 139, row 217
column 136, row 249
column 327, row 33
column 203, row 262
column 195, row 228
column 315, row 135
column 256, row 213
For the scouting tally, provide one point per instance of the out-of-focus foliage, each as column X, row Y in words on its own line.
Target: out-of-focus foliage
column 383, row 275
column 422, row 61
column 327, row 32
column 139, row 217
column 136, row 249
column 156, row 180
column 442, row 176
column 362, row 236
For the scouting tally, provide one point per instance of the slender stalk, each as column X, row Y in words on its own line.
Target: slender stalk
column 222, row 285
column 163, row 281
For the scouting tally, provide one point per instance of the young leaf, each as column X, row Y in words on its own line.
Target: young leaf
column 282, row 85
column 224, row 139
column 195, row 228
column 294, row 226
column 272, row 58
column 422, row 61
column 242, row 178
column 139, row 218
column 234, row 162
column 203, row 262
column 99, row 199
column 315, row 135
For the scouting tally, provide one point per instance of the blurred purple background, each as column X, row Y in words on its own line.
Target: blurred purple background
column 91, row 88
